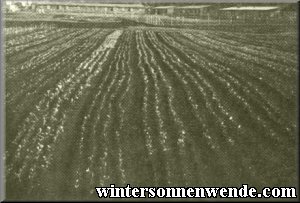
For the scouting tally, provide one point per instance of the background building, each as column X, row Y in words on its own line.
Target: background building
column 89, row 8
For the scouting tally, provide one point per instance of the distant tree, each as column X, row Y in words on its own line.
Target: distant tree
column 19, row 5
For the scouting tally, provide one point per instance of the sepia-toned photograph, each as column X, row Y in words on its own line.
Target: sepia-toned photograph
column 114, row 100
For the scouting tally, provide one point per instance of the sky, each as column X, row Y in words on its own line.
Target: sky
column 166, row 1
